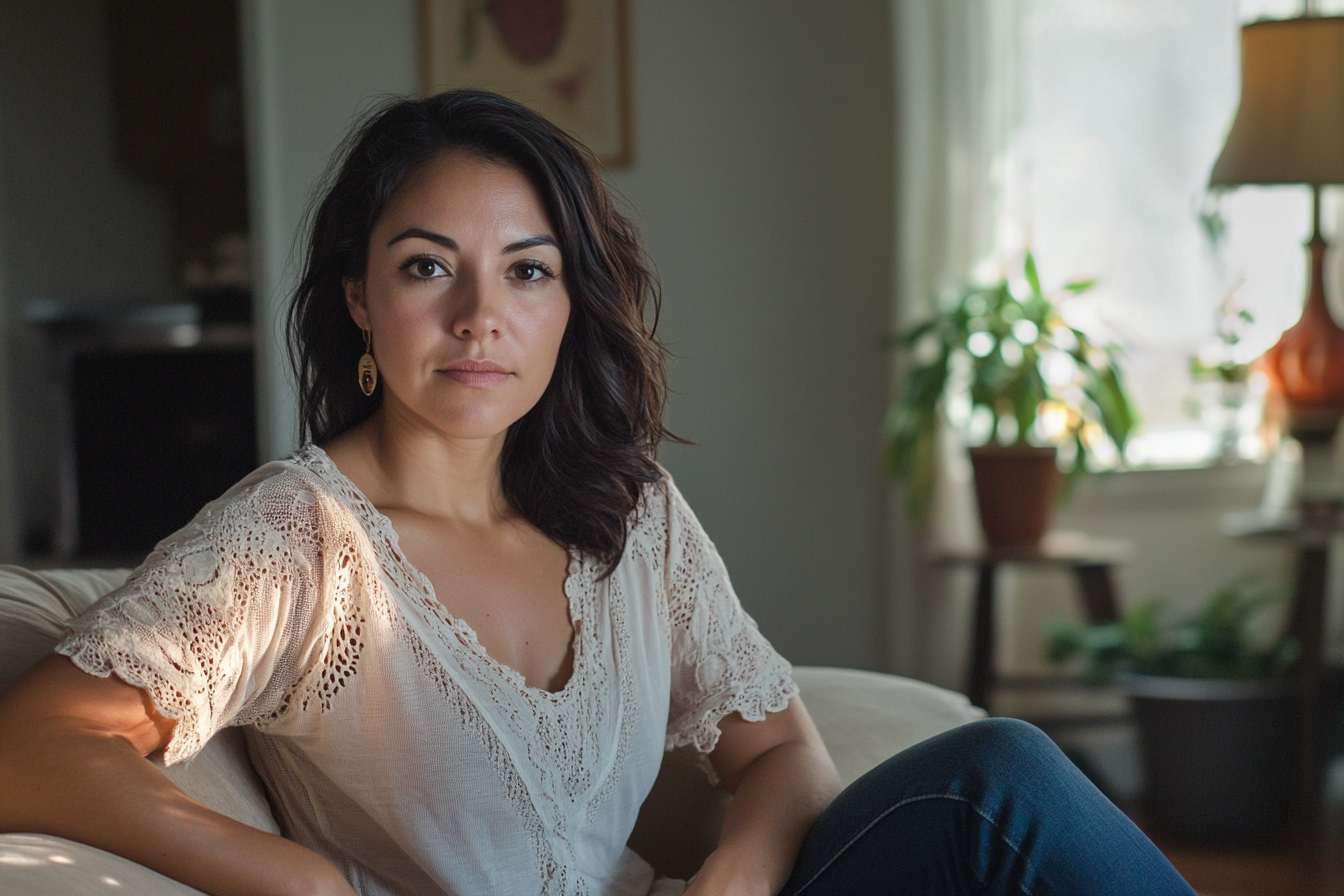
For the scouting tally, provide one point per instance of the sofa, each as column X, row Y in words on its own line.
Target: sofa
column 864, row 717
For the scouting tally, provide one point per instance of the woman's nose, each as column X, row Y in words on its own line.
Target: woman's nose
column 477, row 310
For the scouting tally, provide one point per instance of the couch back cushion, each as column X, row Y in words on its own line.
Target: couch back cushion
column 33, row 610
column 35, row 605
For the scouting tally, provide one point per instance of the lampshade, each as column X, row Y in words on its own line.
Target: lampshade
column 1290, row 126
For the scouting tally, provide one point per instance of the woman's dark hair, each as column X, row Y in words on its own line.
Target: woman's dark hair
column 575, row 464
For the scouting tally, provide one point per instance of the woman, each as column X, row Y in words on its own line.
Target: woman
column 464, row 622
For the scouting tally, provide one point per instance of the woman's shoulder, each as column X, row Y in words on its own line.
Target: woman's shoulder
column 276, row 520
column 307, row 476
column 655, row 497
column 276, row 498
column 662, row 515
column 662, row 504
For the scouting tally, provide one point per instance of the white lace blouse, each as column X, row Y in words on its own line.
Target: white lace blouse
column 390, row 742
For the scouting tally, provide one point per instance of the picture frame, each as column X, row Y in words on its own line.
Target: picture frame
column 566, row 59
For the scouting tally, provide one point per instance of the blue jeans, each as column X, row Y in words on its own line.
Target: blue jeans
column 990, row 807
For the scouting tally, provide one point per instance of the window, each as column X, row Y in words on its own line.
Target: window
column 1121, row 110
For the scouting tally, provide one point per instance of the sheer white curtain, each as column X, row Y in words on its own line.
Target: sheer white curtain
column 955, row 93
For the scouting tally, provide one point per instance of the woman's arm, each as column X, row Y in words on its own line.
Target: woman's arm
column 72, row 764
column 781, row 777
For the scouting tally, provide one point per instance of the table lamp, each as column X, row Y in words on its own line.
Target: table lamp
column 1290, row 130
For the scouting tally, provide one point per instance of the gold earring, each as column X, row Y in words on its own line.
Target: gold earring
column 368, row 368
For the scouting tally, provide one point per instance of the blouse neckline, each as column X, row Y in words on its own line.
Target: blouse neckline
column 387, row 549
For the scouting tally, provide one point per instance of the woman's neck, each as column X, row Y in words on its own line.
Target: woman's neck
column 402, row 465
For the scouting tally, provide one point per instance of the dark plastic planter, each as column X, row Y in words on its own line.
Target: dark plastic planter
column 1217, row 755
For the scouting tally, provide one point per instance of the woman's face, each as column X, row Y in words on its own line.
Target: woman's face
column 464, row 297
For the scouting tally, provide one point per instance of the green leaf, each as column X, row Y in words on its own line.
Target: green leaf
column 1033, row 278
column 1078, row 287
column 1212, row 643
column 1073, row 470
column 1063, row 640
column 1029, row 392
column 912, row 425
column 912, row 336
column 1118, row 415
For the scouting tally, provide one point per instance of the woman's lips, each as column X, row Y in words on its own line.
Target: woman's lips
column 480, row 374
column 479, row 378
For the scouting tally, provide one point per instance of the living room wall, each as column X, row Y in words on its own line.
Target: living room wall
column 73, row 227
column 763, row 180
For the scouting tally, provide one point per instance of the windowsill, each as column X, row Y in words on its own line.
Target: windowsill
column 1240, row 483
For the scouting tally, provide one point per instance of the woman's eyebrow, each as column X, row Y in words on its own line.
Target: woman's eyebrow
column 420, row 233
column 528, row 244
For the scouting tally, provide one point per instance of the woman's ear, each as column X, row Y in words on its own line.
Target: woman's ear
column 354, row 301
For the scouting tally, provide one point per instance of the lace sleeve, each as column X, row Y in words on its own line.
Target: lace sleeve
column 721, row 663
column 214, row 624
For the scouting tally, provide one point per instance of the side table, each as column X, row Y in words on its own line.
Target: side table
column 1309, row 529
column 1090, row 559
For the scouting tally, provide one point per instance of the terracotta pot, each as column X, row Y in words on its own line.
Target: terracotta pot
column 1015, row 487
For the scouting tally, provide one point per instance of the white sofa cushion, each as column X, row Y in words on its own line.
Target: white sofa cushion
column 34, row 606
column 38, row 865
column 867, row 717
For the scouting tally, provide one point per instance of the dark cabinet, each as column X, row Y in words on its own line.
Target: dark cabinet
column 158, row 433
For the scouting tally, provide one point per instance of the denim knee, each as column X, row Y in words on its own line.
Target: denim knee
column 1007, row 747
column 974, row 761
column 997, row 736
column 982, row 763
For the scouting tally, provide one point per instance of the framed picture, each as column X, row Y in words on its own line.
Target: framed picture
column 564, row 58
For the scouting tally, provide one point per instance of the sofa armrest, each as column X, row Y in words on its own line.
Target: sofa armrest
column 39, row 865
column 866, row 718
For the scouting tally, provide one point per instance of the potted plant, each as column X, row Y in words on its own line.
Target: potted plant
column 1213, row 706
column 1221, row 381
column 1002, row 366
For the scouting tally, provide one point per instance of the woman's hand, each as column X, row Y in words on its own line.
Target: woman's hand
column 781, row 778
column 719, row 877
column 72, row 764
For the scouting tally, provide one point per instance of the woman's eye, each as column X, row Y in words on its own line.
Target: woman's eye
column 530, row 271
column 424, row 268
